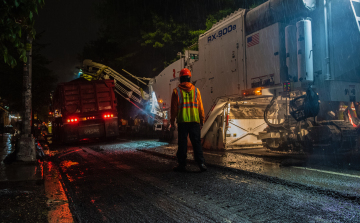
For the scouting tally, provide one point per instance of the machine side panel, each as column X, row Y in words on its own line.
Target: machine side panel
column 166, row 81
column 274, row 11
column 344, row 49
column 344, row 91
column 221, row 58
column 264, row 57
column 345, row 42
column 243, row 132
column 319, row 46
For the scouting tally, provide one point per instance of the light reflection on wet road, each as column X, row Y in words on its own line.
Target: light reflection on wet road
column 117, row 183
column 57, row 201
column 5, row 147
column 297, row 170
column 308, row 176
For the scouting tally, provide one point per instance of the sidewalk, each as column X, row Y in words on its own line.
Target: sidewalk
column 290, row 170
column 30, row 192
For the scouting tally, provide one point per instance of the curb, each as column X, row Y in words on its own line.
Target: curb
column 57, row 195
column 63, row 180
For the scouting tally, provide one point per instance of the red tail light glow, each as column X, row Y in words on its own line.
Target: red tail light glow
column 72, row 120
column 108, row 115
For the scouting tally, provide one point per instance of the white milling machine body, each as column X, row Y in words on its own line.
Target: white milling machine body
column 243, row 61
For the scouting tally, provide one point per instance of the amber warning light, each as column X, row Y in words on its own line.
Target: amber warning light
column 252, row 92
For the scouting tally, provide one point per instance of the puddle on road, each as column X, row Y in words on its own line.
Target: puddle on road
column 68, row 163
column 6, row 148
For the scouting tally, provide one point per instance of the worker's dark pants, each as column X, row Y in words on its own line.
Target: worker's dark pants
column 193, row 130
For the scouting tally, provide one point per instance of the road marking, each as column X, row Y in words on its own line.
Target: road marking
column 324, row 171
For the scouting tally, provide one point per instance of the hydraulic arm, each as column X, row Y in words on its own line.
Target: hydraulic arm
column 125, row 88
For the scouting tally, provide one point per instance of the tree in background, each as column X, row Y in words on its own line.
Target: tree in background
column 144, row 36
column 16, row 18
column 171, row 38
column 43, row 81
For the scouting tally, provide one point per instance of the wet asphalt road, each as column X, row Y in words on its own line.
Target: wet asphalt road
column 117, row 183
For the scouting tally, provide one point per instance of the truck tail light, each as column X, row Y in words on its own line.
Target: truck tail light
column 72, row 120
column 108, row 116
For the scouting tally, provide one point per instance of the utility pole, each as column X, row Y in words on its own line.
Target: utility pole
column 27, row 142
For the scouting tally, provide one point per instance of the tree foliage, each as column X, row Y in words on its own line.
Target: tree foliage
column 16, row 18
column 145, row 36
column 43, row 81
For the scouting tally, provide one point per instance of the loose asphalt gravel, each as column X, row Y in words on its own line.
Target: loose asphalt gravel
column 117, row 183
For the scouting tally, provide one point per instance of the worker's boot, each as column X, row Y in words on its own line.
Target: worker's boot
column 202, row 167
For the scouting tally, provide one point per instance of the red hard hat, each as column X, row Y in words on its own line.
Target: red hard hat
column 185, row 72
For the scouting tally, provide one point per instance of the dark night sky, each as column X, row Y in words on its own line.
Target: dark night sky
column 68, row 25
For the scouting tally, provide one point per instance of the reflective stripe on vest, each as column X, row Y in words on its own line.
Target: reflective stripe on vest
column 188, row 106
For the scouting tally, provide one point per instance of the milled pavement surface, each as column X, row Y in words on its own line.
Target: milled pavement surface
column 119, row 182
column 38, row 192
column 311, row 172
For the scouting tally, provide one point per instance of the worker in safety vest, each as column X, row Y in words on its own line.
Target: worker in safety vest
column 187, row 108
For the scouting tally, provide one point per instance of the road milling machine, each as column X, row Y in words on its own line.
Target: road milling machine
column 285, row 75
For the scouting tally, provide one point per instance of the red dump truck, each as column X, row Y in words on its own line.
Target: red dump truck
column 84, row 109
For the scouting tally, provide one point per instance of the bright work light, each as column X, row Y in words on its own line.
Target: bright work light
column 355, row 4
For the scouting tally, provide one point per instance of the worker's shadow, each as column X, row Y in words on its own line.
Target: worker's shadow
column 193, row 169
